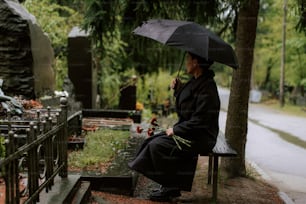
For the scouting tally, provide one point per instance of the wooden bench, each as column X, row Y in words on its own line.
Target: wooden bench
column 221, row 149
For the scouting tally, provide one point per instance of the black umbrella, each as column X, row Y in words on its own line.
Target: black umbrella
column 191, row 37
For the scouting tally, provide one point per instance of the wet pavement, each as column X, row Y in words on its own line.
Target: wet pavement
column 276, row 147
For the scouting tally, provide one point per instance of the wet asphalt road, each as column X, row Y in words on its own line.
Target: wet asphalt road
column 276, row 147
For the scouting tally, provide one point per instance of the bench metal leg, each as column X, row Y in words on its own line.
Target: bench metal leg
column 215, row 177
column 210, row 169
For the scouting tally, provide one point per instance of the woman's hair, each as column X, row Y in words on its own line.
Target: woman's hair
column 204, row 64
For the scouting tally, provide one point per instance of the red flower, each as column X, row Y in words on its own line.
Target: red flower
column 154, row 122
column 150, row 132
column 154, row 126
column 139, row 129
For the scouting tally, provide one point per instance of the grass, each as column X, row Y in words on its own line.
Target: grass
column 251, row 171
column 101, row 146
column 287, row 108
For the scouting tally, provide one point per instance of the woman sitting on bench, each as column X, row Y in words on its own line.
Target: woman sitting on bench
column 198, row 106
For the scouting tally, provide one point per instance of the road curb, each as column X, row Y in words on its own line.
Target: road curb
column 285, row 197
column 266, row 177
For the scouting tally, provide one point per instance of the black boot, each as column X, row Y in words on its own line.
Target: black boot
column 165, row 194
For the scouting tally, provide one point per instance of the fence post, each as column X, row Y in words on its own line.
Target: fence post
column 11, row 175
column 33, row 167
column 48, row 152
column 64, row 138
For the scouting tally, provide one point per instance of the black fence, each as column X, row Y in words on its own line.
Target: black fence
column 35, row 149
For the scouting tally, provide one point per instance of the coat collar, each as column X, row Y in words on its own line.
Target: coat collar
column 196, row 82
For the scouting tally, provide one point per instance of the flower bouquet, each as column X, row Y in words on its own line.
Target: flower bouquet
column 153, row 127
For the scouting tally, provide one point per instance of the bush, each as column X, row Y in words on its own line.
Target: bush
column 2, row 147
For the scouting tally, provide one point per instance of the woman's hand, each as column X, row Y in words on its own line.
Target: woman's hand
column 170, row 132
column 175, row 83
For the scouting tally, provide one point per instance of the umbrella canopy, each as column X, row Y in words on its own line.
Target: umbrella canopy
column 190, row 37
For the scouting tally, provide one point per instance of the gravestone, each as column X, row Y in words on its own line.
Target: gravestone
column 26, row 55
column 127, row 100
column 81, row 71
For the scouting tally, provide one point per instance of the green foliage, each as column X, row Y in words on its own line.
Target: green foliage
column 101, row 146
column 57, row 21
column 125, row 15
column 2, row 147
column 111, row 23
column 101, row 16
column 118, row 51
column 103, row 21
column 152, row 55
column 153, row 89
column 268, row 48
column 301, row 10
column 268, row 44
column 111, row 72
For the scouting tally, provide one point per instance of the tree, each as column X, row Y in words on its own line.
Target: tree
column 267, row 61
column 111, row 23
column 301, row 25
column 268, row 43
column 63, row 19
column 237, row 115
column 105, row 16
column 283, row 58
column 236, row 124
column 224, row 11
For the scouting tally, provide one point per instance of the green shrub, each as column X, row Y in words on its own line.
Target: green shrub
column 2, row 147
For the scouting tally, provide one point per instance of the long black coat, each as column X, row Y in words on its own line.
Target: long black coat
column 160, row 159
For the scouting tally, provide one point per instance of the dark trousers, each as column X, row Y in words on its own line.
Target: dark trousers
column 160, row 159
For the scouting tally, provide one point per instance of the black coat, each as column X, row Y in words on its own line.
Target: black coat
column 198, row 107
column 159, row 157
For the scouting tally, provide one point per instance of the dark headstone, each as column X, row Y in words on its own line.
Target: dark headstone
column 80, row 68
column 127, row 99
column 26, row 55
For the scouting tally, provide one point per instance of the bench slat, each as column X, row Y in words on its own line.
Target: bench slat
column 222, row 148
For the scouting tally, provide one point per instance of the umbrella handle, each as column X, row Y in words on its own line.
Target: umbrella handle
column 178, row 73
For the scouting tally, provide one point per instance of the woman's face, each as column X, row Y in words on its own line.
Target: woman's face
column 190, row 64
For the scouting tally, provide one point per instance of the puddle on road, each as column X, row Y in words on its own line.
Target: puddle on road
column 284, row 135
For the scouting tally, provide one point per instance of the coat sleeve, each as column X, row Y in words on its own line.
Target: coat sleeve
column 204, row 119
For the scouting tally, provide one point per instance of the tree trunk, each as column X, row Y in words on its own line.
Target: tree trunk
column 283, row 60
column 237, row 116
